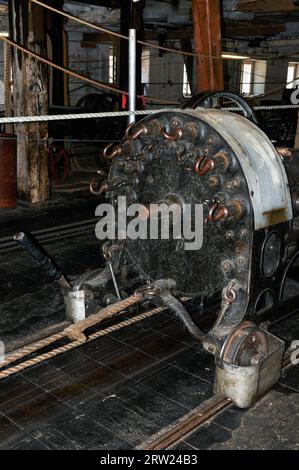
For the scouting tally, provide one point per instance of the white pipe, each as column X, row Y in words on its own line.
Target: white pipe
column 132, row 73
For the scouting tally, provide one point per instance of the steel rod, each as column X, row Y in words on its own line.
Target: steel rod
column 132, row 74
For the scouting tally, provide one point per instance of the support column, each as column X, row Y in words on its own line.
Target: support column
column 207, row 41
column 131, row 17
column 28, row 27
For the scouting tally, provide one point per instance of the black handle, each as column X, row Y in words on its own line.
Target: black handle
column 48, row 266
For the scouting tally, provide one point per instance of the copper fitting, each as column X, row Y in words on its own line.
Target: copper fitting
column 217, row 213
column 142, row 131
column 115, row 152
column 177, row 134
column 204, row 165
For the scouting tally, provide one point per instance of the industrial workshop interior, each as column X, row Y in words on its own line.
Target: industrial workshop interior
column 149, row 228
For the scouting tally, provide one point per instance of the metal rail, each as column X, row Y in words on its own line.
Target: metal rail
column 185, row 426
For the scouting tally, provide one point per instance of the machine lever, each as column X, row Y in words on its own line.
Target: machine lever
column 41, row 258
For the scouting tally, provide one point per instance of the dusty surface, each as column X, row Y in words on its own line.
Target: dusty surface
column 271, row 424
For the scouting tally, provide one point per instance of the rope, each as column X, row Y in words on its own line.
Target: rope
column 82, row 339
column 111, row 114
column 42, row 358
column 264, row 108
column 78, row 76
column 73, row 332
column 63, row 117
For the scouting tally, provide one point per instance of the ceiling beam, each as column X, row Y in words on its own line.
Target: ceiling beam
column 94, row 38
column 267, row 6
column 237, row 28
column 101, row 3
column 232, row 29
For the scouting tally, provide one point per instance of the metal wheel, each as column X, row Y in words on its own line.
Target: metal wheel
column 247, row 345
column 220, row 99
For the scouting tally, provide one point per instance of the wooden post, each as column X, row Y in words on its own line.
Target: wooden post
column 7, row 85
column 207, row 41
column 28, row 27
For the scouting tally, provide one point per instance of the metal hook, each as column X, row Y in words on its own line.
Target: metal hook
column 204, row 165
column 138, row 133
column 229, row 294
column 217, row 213
column 116, row 151
column 177, row 134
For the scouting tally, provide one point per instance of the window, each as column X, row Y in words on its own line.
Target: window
column 112, row 67
column 145, row 70
column 293, row 73
column 253, row 77
column 186, row 85
column 247, row 78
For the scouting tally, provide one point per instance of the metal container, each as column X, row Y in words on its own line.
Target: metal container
column 245, row 385
column 75, row 306
column 8, row 171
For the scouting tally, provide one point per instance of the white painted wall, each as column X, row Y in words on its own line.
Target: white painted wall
column 166, row 75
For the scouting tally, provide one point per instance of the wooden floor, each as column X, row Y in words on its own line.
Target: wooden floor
column 110, row 394
column 116, row 392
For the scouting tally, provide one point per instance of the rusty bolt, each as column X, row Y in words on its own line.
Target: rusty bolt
column 226, row 266
column 174, row 122
column 222, row 160
column 236, row 182
column 214, row 181
column 211, row 140
column 236, row 208
column 191, row 130
column 229, row 235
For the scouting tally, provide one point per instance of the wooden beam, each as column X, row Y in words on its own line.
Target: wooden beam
column 207, row 41
column 267, row 6
column 102, row 3
column 238, row 28
column 91, row 39
column 28, row 27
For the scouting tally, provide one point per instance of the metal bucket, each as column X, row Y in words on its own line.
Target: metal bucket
column 8, row 171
